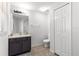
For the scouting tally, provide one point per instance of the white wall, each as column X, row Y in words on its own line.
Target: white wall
column 4, row 17
column 39, row 27
column 75, row 28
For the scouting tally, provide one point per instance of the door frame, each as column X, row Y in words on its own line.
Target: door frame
column 54, row 23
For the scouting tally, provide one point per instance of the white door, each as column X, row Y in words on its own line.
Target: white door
column 63, row 30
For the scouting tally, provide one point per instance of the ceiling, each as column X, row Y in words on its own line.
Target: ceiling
column 35, row 6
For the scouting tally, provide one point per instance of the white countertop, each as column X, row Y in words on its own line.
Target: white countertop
column 18, row 36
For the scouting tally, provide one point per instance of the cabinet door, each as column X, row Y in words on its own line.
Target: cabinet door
column 26, row 44
column 63, row 30
column 15, row 46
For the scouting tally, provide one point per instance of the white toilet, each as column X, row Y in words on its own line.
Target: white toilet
column 46, row 43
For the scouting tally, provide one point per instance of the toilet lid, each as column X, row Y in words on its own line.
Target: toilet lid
column 46, row 40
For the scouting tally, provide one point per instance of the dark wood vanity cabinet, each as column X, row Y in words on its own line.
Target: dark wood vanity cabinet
column 26, row 44
column 15, row 46
column 19, row 45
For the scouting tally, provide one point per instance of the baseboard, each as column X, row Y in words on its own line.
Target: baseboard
column 52, row 51
column 35, row 45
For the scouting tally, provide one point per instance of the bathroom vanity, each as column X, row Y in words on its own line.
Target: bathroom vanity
column 19, row 38
column 19, row 44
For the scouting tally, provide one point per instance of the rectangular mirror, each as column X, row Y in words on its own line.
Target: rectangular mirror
column 20, row 24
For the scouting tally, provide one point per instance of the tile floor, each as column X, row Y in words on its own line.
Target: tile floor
column 39, row 51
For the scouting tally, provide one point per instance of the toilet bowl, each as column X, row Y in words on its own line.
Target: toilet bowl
column 46, row 43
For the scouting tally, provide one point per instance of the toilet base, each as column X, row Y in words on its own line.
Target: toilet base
column 46, row 45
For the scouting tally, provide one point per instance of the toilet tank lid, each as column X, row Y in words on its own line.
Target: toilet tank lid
column 46, row 40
